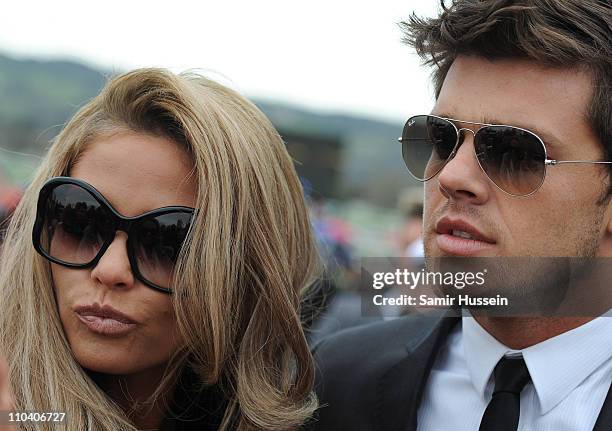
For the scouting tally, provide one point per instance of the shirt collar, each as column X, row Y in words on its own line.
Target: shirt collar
column 482, row 352
column 553, row 363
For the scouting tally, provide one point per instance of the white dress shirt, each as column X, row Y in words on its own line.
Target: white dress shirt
column 571, row 374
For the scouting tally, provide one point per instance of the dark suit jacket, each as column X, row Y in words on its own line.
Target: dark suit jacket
column 373, row 377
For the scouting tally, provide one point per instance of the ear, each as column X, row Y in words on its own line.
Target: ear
column 605, row 248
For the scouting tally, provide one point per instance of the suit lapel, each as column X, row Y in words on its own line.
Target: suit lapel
column 401, row 387
column 604, row 421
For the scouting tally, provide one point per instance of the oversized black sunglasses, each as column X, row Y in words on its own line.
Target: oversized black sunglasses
column 75, row 225
column 513, row 158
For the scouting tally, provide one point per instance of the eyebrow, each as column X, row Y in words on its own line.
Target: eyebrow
column 549, row 139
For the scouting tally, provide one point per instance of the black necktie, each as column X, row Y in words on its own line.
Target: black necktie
column 502, row 413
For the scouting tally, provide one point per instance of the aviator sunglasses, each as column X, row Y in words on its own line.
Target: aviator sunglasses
column 513, row 158
column 75, row 225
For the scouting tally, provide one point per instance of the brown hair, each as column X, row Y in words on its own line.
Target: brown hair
column 557, row 33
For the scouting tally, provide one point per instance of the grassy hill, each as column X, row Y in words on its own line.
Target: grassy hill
column 37, row 97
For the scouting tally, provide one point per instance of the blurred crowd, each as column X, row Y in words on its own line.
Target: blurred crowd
column 337, row 300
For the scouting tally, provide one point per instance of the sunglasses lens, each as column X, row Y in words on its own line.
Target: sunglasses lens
column 157, row 243
column 427, row 144
column 514, row 159
column 75, row 225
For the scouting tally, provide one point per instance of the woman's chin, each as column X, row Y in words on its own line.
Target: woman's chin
column 108, row 362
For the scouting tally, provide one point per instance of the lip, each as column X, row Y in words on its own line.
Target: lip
column 104, row 320
column 454, row 245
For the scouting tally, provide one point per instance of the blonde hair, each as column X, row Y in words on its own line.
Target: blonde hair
column 247, row 260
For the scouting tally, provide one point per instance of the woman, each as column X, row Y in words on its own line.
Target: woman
column 151, row 274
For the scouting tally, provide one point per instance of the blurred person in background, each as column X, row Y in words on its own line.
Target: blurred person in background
column 333, row 236
column 410, row 235
column 9, row 198
column 152, row 272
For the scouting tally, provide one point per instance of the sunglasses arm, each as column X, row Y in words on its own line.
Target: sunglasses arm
column 551, row 162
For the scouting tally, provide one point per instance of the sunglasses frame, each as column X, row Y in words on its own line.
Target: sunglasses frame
column 452, row 121
column 120, row 222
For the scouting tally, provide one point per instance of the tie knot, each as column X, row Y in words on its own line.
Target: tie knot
column 511, row 375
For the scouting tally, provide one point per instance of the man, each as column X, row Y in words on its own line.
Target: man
column 544, row 66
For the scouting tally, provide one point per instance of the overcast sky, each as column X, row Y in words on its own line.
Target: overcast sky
column 332, row 55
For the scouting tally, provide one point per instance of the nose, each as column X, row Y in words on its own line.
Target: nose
column 461, row 178
column 114, row 269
